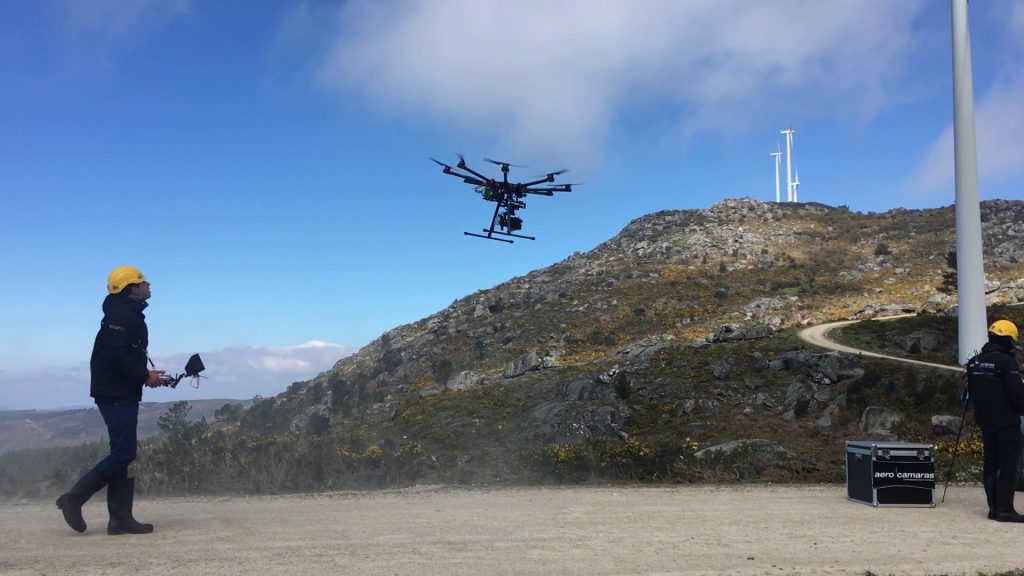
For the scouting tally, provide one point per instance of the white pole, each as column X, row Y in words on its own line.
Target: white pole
column 789, row 163
column 970, row 272
column 778, row 158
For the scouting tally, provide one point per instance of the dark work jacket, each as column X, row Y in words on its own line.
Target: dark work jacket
column 993, row 380
column 118, row 365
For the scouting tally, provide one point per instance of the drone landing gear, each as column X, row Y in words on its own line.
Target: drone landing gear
column 489, row 237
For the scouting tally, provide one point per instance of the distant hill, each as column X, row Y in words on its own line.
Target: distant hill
column 24, row 429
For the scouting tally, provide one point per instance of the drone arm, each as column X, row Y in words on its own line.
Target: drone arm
column 475, row 173
column 463, row 166
column 549, row 178
column 545, row 191
column 465, row 177
column 451, row 172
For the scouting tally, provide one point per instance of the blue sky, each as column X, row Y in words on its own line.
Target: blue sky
column 265, row 163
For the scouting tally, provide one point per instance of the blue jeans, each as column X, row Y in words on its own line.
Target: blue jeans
column 122, row 419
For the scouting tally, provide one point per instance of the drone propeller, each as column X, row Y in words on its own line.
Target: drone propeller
column 549, row 177
column 500, row 163
column 476, row 179
column 557, row 172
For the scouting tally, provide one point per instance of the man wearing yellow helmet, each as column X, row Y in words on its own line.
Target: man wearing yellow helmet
column 994, row 384
column 118, row 370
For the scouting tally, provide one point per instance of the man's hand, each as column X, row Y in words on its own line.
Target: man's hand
column 155, row 379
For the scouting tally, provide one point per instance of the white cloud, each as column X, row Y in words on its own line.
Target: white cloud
column 279, row 364
column 570, row 67
column 238, row 372
column 48, row 387
column 316, row 344
column 245, row 371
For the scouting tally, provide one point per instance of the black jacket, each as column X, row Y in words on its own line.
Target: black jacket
column 118, row 365
column 993, row 380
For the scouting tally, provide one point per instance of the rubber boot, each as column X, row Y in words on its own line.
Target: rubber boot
column 70, row 503
column 120, row 499
column 1005, row 490
column 990, row 495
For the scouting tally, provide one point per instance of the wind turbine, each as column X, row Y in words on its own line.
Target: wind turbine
column 789, row 162
column 796, row 184
column 970, row 270
column 778, row 159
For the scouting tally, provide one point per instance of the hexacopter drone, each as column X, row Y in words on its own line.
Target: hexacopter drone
column 508, row 196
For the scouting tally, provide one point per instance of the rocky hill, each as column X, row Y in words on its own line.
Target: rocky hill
column 681, row 326
column 738, row 269
column 668, row 352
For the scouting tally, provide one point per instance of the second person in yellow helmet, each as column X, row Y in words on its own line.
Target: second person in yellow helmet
column 995, row 387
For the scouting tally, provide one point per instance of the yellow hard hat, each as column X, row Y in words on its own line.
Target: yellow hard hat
column 1004, row 328
column 125, row 275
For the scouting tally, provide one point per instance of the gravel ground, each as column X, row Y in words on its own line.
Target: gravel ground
column 521, row 531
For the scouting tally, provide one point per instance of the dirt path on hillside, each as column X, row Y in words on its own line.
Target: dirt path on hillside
column 818, row 335
column 521, row 531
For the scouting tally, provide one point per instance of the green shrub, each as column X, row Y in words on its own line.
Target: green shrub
column 229, row 413
column 564, row 462
column 317, row 425
column 601, row 337
column 441, row 370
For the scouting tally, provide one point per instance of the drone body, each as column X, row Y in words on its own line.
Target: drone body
column 507, row 196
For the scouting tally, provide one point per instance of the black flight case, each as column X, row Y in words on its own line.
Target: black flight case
column 890, row 473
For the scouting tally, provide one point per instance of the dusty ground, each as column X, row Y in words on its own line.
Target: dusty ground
column 525, row 531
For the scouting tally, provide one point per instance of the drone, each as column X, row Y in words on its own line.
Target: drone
column 507, row 196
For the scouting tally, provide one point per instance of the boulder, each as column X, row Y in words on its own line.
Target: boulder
column 463, row 380
column 725, row 367
column 736, row 332
column 757, row 445
column 921, row 341
column 831, row 365
column 796, row 392
column 579, row 389
column 644, row 348
column 529, row 362
column 937, row 302
column 946, row 425
column 879, row 420
column 883, row 310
